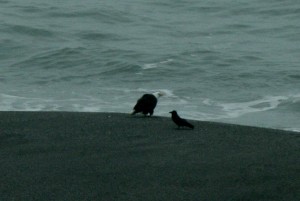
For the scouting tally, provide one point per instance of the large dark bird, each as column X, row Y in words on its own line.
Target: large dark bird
column 179, row 121
column 146, row 104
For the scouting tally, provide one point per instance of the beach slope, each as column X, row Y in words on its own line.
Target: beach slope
column 111, row 156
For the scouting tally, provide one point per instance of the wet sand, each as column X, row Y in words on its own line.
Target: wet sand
column 111, row 156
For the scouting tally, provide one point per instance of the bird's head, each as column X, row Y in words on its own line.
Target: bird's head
column 158, row 94
column 173, row 112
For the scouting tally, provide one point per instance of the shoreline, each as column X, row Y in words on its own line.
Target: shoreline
column 114, row 156
column 291, row 130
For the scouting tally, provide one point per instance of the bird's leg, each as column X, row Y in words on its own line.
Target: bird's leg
column 151, row 113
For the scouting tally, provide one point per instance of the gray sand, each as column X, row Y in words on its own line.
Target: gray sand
column 110, row 156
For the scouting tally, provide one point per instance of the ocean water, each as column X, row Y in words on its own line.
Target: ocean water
column 224, row 61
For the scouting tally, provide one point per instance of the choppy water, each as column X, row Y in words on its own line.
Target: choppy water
column 227, row 61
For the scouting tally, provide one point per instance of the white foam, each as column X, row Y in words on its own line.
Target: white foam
column 207, row 101
column 155, row 65
column 149, row 66
column 219, row 110
column 293, row 129
column 166, row 61
column 234, row 110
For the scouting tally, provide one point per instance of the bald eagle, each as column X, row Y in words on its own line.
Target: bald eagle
column 146, row 104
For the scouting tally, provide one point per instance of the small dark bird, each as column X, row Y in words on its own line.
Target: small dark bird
column 146, row 104
column 179, row 121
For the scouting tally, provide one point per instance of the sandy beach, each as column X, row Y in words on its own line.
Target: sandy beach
column 112, row 156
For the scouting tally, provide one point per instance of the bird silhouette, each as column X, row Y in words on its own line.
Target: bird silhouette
column 179, row 121
column 146, row 103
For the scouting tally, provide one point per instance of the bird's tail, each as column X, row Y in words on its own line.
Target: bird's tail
column 190, row 125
